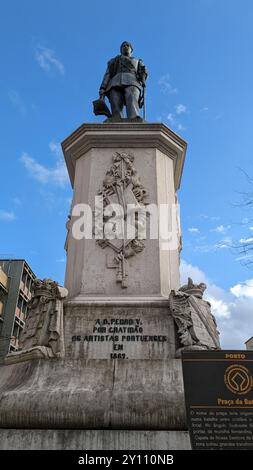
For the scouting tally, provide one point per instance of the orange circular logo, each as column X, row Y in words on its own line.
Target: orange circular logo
column 238, row 379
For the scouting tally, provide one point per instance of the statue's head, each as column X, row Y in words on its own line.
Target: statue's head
column 126, row 48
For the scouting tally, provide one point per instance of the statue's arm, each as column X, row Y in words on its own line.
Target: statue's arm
column 105, row 82
column 142, row 72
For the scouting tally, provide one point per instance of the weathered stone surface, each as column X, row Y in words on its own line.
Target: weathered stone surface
column 79, row 393
column 76, row 439
column 158, row 159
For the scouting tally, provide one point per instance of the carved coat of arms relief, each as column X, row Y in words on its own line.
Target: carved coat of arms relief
column 124, row 214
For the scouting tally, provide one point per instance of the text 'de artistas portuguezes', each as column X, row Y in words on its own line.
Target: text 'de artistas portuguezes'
column 116, row 335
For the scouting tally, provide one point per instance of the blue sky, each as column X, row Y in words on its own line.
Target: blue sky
column 199, row 57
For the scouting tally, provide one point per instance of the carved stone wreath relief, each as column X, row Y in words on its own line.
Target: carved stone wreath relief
column 122, row 187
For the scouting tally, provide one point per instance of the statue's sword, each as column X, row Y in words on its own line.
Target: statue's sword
column 144, row 101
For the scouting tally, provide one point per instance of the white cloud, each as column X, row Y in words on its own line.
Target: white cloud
column 246, row 240
column 220, row 309
column 55, row 148
column 180, row 108
column 38, row 171
column 57, row 174
column 221, row 229
column 166, row 86
column 187, row 270
column 244, row 257
column 17, row 101
column 47, row 60
column 208, row 217
column 193, row 230
column 224, row 243
column 171, row 118
column 232, row 308
column 244, row 289
column 204, row 109
column 222, row 246
column 174, row 122
column 7, row 216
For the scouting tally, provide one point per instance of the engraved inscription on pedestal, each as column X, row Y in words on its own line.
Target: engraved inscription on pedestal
column 119, row 333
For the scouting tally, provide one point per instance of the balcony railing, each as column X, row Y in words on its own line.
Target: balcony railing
column 18, row 311
column 22, row 286
column 19, row 314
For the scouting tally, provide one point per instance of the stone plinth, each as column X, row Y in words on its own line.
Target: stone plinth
column 158, row 157
column 77, row 439
column 93, row 394
column 89, row 388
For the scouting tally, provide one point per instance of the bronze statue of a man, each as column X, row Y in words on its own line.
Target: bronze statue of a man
column 122, row 83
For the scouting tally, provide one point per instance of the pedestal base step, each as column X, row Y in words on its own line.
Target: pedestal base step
column 76, row 439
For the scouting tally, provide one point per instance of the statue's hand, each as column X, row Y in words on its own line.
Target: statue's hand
column 102, row 94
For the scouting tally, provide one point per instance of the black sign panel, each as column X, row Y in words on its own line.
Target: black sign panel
column 219, row 399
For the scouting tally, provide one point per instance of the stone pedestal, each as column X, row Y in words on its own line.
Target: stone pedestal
column 158, row 157
column 119, row 385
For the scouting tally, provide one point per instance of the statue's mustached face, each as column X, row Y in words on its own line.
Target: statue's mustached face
column 126, row 48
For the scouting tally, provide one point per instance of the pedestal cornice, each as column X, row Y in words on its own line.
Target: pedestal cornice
column 125, row 135
column 120, row 301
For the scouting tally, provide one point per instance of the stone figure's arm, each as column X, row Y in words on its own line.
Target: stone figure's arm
column 142, row 72
column 104, row 83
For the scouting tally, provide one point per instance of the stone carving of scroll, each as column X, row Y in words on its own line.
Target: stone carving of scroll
column 122, row 186
column 42, row 336
column 196, row 325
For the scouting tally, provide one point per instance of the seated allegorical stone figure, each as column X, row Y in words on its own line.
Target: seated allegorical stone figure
column 42, row 336
column 123, row 83
column 196, row 325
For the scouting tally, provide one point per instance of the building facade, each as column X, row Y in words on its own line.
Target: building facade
column 249, row 344
column 16, row 279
